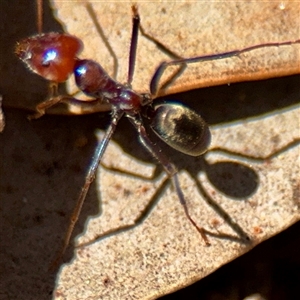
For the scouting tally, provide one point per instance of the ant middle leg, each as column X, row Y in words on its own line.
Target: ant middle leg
column 169, row 168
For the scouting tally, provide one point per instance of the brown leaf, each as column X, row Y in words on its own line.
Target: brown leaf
column 44, row 164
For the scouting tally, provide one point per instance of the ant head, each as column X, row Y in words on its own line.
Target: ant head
column 50, row 55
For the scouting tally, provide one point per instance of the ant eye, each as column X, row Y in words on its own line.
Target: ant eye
column 81, row 70
column 49, row 56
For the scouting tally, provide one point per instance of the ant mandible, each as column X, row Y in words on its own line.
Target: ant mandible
column 54, row 57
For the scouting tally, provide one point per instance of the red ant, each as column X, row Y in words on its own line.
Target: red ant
column 54, row 57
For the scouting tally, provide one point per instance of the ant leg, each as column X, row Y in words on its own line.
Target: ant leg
column 168, row 166
column 164, row 65
column 91, row 174
column 53, row 99
column 133, row 44
column 39, row 9
column 133, row 47
column 75, row 106
column 178, row 189
column 42, row 107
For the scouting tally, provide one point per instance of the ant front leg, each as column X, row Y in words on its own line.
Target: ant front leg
column 74, row 105
column 52, row 100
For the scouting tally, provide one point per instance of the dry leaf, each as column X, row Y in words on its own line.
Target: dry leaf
column 197, row 28
column 44, row 164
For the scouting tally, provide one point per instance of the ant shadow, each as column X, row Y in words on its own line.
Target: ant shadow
column 233, row 178
column 43, row 164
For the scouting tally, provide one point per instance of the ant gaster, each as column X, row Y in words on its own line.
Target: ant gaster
column 54, row 57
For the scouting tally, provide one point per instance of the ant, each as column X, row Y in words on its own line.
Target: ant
column 54, row 56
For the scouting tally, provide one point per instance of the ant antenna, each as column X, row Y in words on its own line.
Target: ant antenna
column 133, row 44
column 39, row 9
